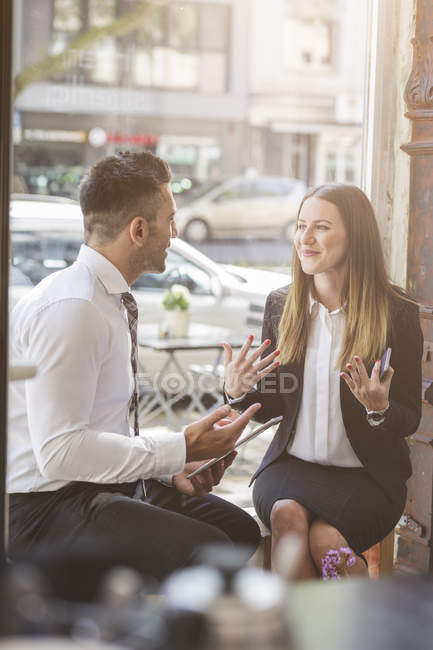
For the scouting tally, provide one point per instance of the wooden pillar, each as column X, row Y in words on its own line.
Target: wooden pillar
column 414, row 545
column 5, row 150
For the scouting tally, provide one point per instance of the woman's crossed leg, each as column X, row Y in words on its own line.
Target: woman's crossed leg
column 317, row 537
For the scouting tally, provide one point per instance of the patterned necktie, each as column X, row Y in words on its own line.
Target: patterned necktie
column 131, row 307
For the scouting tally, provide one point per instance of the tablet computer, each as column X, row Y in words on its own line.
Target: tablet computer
column 240, row 442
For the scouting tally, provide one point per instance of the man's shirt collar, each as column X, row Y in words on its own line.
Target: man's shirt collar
column 110, row 276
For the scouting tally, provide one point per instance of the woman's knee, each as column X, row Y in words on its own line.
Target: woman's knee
column 289, row 516
column 322, row 538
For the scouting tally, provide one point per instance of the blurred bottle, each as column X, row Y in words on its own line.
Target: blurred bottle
column 228, row 616
column 190, row 593
column 250, row 613
column 244, row 608
column 127, row 614
column 264, row 595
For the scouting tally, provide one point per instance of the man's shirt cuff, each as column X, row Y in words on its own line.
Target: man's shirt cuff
column 170, row 454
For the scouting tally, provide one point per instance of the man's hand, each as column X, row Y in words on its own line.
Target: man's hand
column 205, row 481
column 216, row 434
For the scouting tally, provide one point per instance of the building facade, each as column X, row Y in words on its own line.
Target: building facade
column 216, row 87
column 176, row 85
column 307, row 88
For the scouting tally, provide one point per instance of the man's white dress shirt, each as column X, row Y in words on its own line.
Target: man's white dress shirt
column 70, row 422
column 320, row 435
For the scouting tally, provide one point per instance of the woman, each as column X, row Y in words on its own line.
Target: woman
column 336, row 469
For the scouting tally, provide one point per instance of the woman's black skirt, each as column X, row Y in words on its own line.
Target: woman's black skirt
column 347, row 498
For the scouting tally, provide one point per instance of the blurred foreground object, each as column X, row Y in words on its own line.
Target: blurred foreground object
column 288, row 556
column 244, row 607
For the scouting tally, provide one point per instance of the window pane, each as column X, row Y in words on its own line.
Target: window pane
column 174, row 69
column 183, row 26
column 151, row 32
column 59, row 42
column 142, row 68
column 101, row 12
column 213, row 72
column 307, row 43
column 105, row 67
column 67, row 15
column 214, row 28
column 236, row 95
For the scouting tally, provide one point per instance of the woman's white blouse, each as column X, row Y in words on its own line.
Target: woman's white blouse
column 320, row 436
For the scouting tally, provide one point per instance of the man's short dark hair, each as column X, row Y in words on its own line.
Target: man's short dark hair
column 118, row 188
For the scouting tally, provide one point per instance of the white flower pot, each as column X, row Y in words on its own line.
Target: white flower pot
column 177, row 323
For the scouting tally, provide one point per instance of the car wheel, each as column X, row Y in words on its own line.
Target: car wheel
column 196, row 231
column 290, row 230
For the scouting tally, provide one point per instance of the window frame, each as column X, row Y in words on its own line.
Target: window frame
column 6, row 36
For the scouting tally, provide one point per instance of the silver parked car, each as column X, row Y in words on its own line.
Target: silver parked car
column 46, row 235
column 262, row 206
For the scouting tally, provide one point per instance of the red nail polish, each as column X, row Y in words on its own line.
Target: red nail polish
column 267, row 341
column 349, row 365
column 251, row 336
column 277, row 363
column 277, row 352
column 377, row 360
column 356, row 358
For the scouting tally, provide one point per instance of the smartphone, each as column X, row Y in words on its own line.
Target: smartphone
column 240, row 442
column 384, row 362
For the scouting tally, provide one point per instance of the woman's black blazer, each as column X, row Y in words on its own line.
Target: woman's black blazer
column 382, row 450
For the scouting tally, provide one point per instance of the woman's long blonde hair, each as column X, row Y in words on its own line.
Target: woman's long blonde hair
column 367, row 292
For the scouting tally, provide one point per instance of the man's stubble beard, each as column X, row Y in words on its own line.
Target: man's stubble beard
column 149, row 261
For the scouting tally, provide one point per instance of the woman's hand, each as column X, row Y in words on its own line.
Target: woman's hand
column 370, row 391
column 243, row 372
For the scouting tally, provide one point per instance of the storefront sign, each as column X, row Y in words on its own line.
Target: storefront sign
column 55, row 135
column 139, row 139
column 96, row 136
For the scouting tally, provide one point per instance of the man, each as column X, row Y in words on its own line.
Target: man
column 74, row 469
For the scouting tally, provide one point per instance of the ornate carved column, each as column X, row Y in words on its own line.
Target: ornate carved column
column 419, row 100
column 414, row 549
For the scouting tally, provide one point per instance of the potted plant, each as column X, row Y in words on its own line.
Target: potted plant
column 176, row 305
